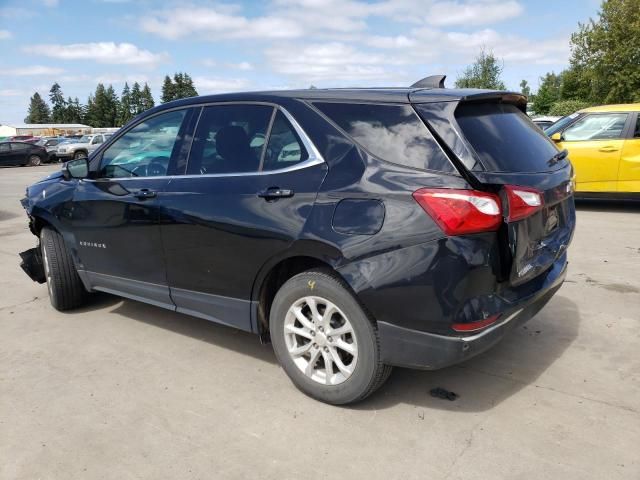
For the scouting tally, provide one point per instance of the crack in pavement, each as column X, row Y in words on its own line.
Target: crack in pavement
column 526, row 384
column 34, row 299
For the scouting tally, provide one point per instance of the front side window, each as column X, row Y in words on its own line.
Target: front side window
column 285, row 148
column 146, row 149
column 4, row 147
column 229, row 139
column 84, row 139
column 606, row 126
column 390, row 132
column 97, row 140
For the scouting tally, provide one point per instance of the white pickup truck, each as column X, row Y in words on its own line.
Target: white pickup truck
column 81, row 147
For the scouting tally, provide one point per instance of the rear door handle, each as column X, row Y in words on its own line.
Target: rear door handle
column 144, row 193
column 609, row 148
column 273, row 193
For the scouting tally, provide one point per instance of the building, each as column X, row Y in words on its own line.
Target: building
column 43, row 129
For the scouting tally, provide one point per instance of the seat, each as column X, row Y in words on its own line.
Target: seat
column 232, row 144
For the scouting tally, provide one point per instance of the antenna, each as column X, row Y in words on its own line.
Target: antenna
column 433, row 81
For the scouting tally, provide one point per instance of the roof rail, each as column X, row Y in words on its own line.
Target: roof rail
column 433, row 81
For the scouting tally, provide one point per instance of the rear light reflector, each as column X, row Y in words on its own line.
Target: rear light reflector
column 475, row 326
column 458, row 212
column 523, row 201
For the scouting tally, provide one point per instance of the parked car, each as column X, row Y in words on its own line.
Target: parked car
column 356, row 229
column 22, row 153
column 50, row 144
column 22, row 138
column 81, row 147
column 545, row 121
column 604, row 148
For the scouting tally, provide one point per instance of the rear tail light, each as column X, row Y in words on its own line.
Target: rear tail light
column 461, row 211
column 523, row 201
column 475, row 326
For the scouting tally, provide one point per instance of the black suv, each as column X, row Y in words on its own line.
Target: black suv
column 356, row 229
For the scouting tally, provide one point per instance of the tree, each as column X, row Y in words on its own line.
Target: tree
column 102, row 107
column 605, row 54
column 136, row 100
column 74, row 111
column 168, row 90
column 548, row 93
column 38, row 110
column 567, row 107
column 59, row 110
column 146, row 98
column 525, row 89
column 126, row 111
column 483, row 73
column 112, row 107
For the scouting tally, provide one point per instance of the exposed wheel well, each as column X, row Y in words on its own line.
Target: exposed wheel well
column 36, row 225
column 276, row 277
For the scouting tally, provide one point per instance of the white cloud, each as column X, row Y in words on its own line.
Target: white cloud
column 11, row 92
column 207, row 85
column 478, row 12
column 102, row 52
column 50, row 3
column 4, row 34
column 33, row 70
column 240, row 66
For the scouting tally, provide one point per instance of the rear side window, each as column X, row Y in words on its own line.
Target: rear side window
column 391, row 132
column 504, row 138
column 285, row 148
column 229, row 139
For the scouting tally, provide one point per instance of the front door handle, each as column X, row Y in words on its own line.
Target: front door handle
column 144, row 193
column 609, row 148
column 274, row 193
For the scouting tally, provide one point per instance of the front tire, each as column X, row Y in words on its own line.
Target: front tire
column 79, row 155
column 65, row 287
column 324, row 340
column 35, row 161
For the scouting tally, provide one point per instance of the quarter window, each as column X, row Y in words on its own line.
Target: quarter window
column 636, row 133
column 229, row 139
column 146, row 149
column 605, row 126
column 391, row 132
column 285, row 148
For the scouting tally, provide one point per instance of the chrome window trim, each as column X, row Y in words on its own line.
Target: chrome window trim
column 315, row 157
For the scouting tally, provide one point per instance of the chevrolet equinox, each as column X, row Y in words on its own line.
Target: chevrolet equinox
column 354, row 229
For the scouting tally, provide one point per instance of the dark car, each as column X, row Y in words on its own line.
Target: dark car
column 356, row 229
column 22, row 138
column 21, row 153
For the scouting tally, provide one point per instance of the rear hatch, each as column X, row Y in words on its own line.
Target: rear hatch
column 497, row 148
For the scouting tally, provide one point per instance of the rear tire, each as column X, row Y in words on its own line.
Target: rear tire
column 305, row 340
column 65, row 287
column 35, row 161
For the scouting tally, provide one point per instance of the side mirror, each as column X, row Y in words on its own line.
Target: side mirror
column 76, row 169
column 556, row 137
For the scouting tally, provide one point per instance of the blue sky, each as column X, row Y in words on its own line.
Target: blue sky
column 245, row 45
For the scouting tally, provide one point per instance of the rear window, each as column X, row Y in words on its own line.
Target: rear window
column 393, row 133
column 504, row 138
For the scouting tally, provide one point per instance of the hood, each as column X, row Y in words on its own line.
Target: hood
column 50, row 177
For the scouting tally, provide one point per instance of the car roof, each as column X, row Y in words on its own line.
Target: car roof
column 382, row 95
column 624, row 107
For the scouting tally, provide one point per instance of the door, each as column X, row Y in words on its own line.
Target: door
column 595, row 143
column 115, row 214
column 629, row 173
column 6, row 155
column 251, row 182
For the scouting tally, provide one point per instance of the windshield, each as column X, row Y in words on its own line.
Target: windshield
column 504, row 138
column 84, row 139
column 561, row 124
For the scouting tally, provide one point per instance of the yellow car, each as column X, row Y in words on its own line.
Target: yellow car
column 604, row 148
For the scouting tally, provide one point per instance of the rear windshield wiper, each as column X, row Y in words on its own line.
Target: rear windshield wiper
column 558, row 157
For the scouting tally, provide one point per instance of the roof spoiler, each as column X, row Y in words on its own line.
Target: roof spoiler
column 433, row 81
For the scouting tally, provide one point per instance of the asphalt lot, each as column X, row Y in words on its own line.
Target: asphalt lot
column 125, row 390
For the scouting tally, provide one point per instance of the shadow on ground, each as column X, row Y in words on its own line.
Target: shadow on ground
column 611, row 206
column 481, row 382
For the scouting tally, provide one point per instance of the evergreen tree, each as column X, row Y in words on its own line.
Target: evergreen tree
column 483, row 73
column 136, row 99
column 525, row 89
column 74, row 111
column 188, row 88
column 168, row 90
column 56, row 97
column 38, row 110
column 146, row 98
column 126, row 112
column 112, row 107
